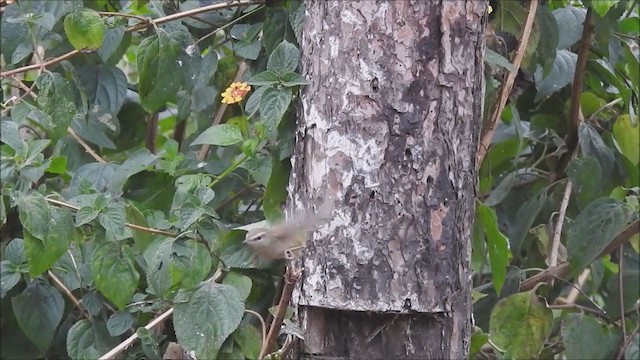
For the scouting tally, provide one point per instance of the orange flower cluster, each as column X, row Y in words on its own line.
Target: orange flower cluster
column 235, row 93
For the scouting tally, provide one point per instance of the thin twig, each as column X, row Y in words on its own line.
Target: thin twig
column 290, row 279
column 563, row 269
column 626, row 343
column 86, row 147
column 132, row 226
column 60, row 285
column 160, row 20
column 507, row 85
column 557, row 231
column 223, row 107
column 582, row 279
column 262, row 323
column 621, row 291
column 596, row 312
column 131, row 16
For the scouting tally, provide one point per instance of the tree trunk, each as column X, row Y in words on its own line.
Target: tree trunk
column 388, row 128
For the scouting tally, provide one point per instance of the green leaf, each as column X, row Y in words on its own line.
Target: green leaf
column 114, row 273
column 158, row 256
column 267, row 77
column 42, row 253
column 81, row 342
column 112, row 219
column 592, row 145
column 14, row 252
column 190, row 263
column 274, row 28
column 569, row 20
column 135, row 163
column 593, row 229
column 602, row 6
column 39, row 309
column 585, row 338
column 497, row 245
column 560, row 75
column 9, row 277
column 249, row 338
column 159, row 73
column 204, row 322
column 493, row 58
column 586, row 174
column 259, row 168
column 502, row 190
column 105, row 86
column 34, row 214
column 56, row 98
column 120, row 322
column 293, row 79
column 478, row 339
column 115, row 38
column 134, row 216
column 276, row 193
column 58, row 165
column 526, row 215
column 520, row 324
column 220, row 135
column 10, row 135
column 627, row 138
column 252, row 107
column 284, row 58
column 273, row 105
column 242, row 283
column 84, row 28
column 86, row 214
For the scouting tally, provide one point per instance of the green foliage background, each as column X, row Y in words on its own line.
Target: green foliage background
column 142, row 224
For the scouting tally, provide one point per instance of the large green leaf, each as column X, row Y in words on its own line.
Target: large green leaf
column 220, row 135
column 497, row 245
column 39, row 309
column 273, row 105
column 627, row 138
column 597, row 224
column 586, row 175
column 57, row 99
column 210, row 315
column 560, row 75
column 84, row 28
column 105, row 86
column 525, row 217
column 569, row 20
column 158, row 70
column 585, row 338
column 602, row 6
column 42, row 253
column 81, row 342
column 114, row 273
column 520, row 324
column 284, row 58
column 592, row 145
column 10, row 135
column 34, row 214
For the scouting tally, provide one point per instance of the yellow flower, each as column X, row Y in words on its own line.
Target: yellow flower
column 235, row 93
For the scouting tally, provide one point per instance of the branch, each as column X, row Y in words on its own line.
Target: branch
column 132, row 226
column 507, row 85
column 564, row 269
column 86, row 147
column 290, row 279
column 557, row 231
column 60, row 285
column 158, row 21
column 576, row 89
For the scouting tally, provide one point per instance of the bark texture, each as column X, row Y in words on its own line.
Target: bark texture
column 388, row 132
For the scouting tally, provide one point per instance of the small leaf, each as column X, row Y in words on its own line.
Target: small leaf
column 9, row 277
column 42, row 253
column 627, row 138
column 114, row 273
column 84, row 28
column 14, row 252
column 502, row 190
column 525, row 217
column 34, row 214
column 592, row 145
column 10, row 135
column 112, row 219
column 273, row 105
column 242, row 283
column 284, row 58
column 585, row 338
column 39, row 309
column 602, row 6
column 293, row 79
column 220, row 135
column 497, row 245
column 86, row 214
column 275, row 193
column 159, row 73
column 120, row 322
column 203, row 323
column 253, row 102
column 597, row 224
column 267, row 77
column 249, row 339
column 520, row 324
column 81, row 341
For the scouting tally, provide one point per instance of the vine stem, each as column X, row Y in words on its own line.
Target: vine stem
column 132, row 226
column 507, row 85
column 151, row 22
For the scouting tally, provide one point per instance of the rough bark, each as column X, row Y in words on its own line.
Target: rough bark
column 388, row 129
